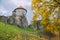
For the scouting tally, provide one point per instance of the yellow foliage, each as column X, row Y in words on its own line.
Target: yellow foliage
column 46, row 8
column 51, row 28
column 44, row 22
column 58, row 21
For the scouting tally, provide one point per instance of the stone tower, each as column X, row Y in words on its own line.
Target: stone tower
column 19, row 17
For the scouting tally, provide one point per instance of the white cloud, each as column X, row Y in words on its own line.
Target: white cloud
column 3, row 11
column 21, row 2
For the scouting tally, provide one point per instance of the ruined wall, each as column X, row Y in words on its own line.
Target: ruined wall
column 3, row 19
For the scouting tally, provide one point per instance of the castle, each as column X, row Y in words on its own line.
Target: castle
column 17, row 18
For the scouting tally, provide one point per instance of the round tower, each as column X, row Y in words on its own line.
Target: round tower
column 19, row 17
column 20, row 11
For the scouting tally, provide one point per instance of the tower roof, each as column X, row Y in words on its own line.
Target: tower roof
column 20, row 7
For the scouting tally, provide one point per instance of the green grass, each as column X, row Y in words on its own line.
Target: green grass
column 8, row 32
column 14, row 27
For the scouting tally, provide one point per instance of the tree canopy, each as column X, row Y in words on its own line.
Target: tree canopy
column 49, row 11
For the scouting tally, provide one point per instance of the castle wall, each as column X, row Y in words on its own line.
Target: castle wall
column 18, row 20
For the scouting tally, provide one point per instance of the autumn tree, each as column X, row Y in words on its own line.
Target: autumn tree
column 49, row 12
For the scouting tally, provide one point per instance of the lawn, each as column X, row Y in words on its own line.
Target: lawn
column 13, row 32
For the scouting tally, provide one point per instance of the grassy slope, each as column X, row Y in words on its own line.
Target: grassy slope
column 12, row 32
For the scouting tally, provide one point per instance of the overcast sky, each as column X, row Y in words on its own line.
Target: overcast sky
column 7, row 6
